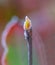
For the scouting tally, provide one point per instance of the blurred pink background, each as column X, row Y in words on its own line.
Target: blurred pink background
column 42, row 15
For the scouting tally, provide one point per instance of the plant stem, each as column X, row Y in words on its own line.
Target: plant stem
column 29, row 45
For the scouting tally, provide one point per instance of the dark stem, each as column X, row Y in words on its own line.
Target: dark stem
column 30, row 52
column 29, row 43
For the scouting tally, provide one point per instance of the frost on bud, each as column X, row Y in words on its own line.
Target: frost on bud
column 27, row 23
column 27, row 28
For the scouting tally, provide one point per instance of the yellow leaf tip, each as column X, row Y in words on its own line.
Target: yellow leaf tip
column 27, row 23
